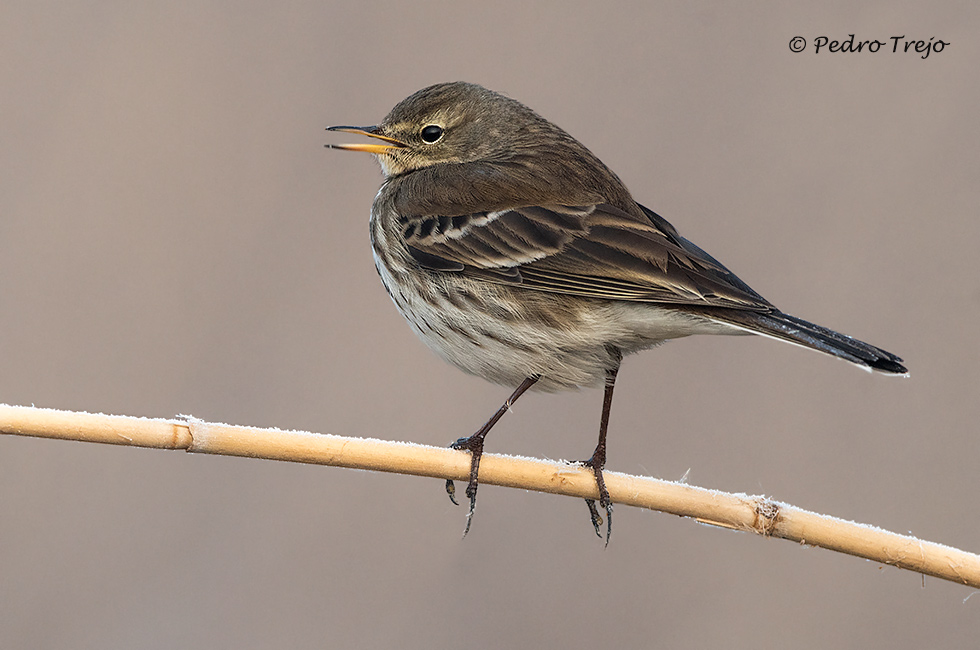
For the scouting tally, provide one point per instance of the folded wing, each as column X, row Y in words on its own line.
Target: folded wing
column 596, row 251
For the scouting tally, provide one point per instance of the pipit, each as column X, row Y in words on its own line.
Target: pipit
column 518, row 256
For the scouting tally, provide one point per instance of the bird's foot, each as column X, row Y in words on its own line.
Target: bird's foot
column 473, row 444
column 596, row 463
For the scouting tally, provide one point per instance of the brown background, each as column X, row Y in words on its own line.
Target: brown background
column 174, row 238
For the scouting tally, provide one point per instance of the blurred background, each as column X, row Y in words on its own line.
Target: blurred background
column 174, row 238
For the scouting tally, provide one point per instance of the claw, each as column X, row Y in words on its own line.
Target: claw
column 604, row 500
column 595, row 516
column 469, row 515
column 608, row 522
column 451, row 491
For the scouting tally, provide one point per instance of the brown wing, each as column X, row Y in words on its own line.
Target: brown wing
column 597, row 251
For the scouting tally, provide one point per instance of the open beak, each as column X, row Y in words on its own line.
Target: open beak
column 371, row 132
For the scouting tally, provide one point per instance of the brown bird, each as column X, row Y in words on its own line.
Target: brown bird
column 518, row 256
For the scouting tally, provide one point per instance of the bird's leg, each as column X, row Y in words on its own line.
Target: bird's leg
column 598, row 460
column 474, row 444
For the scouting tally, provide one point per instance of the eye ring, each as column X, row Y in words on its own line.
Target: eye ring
column 431, row 133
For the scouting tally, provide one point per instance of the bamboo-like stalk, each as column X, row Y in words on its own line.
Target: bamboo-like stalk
column 738, row 511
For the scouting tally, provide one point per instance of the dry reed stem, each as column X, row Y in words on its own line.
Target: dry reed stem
column 737, row 511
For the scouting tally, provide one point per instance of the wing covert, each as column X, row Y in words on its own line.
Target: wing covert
column 596, row 251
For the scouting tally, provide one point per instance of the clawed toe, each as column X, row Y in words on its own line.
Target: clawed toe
column 451, row 491
column 604, row 499
column 473, row 444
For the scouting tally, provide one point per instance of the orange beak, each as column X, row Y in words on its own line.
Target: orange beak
column 371, row 132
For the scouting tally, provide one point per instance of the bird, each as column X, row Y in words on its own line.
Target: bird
column 518, row 256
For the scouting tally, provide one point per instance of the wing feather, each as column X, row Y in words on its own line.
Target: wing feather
column 596, row 251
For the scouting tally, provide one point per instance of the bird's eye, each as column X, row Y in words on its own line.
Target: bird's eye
column 431, row 133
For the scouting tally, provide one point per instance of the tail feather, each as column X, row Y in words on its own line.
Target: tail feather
column 788, row 328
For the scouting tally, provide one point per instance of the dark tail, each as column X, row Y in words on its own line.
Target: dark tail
column 796, row 330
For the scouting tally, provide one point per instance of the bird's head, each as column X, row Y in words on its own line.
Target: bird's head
column 453, row 122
